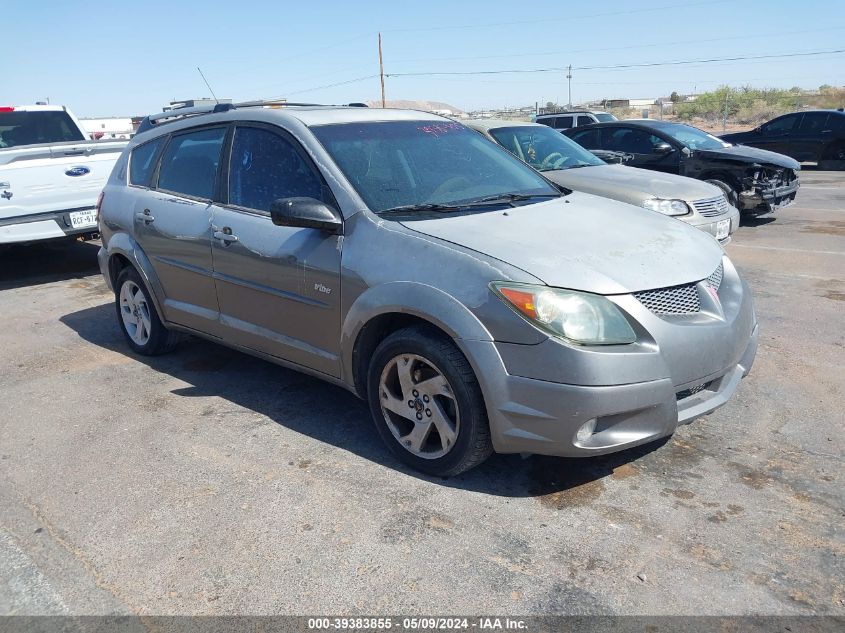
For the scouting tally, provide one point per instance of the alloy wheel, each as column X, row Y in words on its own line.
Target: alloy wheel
column 135, row 312
column 419, row 406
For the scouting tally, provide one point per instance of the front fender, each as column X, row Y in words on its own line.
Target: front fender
column 406, row 297
column 123, row 244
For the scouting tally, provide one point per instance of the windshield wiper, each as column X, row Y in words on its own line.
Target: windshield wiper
column 427, row 206
column 511, row 197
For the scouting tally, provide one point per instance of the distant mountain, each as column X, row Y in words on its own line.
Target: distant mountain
column 428, row 106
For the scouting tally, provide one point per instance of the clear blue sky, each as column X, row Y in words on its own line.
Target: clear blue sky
column 110, row 57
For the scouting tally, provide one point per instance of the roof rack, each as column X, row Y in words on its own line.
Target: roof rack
column 169, row 116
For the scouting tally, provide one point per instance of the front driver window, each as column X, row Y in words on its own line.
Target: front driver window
column 781, row 125
column 265, row 167
column 632, row 141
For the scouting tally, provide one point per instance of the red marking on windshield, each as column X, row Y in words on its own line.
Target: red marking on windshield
column 439, row 129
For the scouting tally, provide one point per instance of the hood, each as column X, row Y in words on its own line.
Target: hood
column 630, row 184
column 583, row 242
column 750, row 154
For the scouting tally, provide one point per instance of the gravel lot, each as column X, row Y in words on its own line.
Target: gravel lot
column 210, row 482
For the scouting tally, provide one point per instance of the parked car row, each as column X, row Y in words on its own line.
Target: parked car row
column 476, row 303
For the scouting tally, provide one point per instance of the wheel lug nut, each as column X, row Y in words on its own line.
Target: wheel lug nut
column 411, row 403
column 416, row 393
column 425, row 398
column 419, row 416
column 428, row 412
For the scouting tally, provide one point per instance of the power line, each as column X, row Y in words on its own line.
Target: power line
column 340, row 83
column 615, row 66
column 456, row 27
column 685, row 42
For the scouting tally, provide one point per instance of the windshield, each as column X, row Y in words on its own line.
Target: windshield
column 693, row 137
column 543, row 148
column 29, row 128
column 395, row 164
column 604, row 117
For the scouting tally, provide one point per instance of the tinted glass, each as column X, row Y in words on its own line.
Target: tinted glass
column 783, row 124
column 630, row 140
column 189, row 164
column 550, row 121
column 30, row 128
column 142, row 162
column 692, row 137
column 398, row 163
column 604, row 117
column 814, row 122
column 563, row 122
column 584, row 120
column 266, row 167
column 588, row 139
column 543, row 148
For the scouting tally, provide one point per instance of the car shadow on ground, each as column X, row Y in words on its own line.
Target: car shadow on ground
column 332, row 415
column 755, row 221
column 45, row 262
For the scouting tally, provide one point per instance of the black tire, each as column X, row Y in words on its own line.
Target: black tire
column 472, row 444
column 833, row 158
column 160, row 339
column 730, row 193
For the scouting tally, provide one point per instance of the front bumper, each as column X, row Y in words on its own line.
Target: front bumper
column 539, row 396
column 711, row 224
column 534, row 416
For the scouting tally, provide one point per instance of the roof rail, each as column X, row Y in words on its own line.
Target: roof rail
column 178, row 113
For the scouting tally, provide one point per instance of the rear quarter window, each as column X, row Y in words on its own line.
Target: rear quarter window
column 142, row 162
column 22, row 127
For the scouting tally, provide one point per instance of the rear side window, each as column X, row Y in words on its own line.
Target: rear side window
column 587, row 138
column 266, row 167
column 584, row 120
column 189, row 163
column 814, row 122
column 20, row 127
column 550, row 121
column 563, row 122
column 142, row 162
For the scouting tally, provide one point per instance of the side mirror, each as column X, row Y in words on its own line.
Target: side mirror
column 663, row 148
column 306, row 213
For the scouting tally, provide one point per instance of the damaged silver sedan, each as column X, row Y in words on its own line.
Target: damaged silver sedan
column 412, row 261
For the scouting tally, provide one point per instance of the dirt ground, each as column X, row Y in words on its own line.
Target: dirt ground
column 210, row 482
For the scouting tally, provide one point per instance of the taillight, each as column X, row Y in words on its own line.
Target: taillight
column 98, row 206
column 7, row 109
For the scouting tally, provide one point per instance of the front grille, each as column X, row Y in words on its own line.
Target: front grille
column 679, row 299
column 711, row 207
column 715, row 279
column 675, row 300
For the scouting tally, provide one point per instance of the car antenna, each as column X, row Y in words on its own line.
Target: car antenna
column 216, row 100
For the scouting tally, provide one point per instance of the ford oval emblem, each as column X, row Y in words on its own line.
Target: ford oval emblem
column 77, row 171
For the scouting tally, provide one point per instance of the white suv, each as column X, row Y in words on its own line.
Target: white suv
column 567, row 120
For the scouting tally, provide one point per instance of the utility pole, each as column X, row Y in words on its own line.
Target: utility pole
column 381, row 70
column 725, row 118
column 569, row 81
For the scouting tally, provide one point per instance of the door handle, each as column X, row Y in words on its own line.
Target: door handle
column 145, row 217
column 225, row 235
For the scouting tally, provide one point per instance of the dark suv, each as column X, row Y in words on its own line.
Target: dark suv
column 815, row 136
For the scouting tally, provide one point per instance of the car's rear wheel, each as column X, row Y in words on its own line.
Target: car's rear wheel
column 730, row 193
column 137, row 316
column 834, row 158
column 427, row 404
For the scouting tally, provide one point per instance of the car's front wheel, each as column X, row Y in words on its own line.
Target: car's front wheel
column 137, row 316
column 730, row 193
column 427, row 404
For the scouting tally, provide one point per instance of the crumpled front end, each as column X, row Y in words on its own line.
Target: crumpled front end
column 767, row 188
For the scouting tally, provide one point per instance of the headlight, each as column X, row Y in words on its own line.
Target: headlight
column 667, row 207
column 577, row 316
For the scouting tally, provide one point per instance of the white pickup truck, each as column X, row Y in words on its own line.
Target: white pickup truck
column 51, row 174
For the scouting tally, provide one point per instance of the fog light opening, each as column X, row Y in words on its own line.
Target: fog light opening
column 586, row 431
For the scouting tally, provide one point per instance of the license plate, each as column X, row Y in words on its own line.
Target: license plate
column 82, row 219
column 723, row 229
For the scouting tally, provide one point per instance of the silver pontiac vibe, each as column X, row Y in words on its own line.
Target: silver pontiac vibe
column 414, row 262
